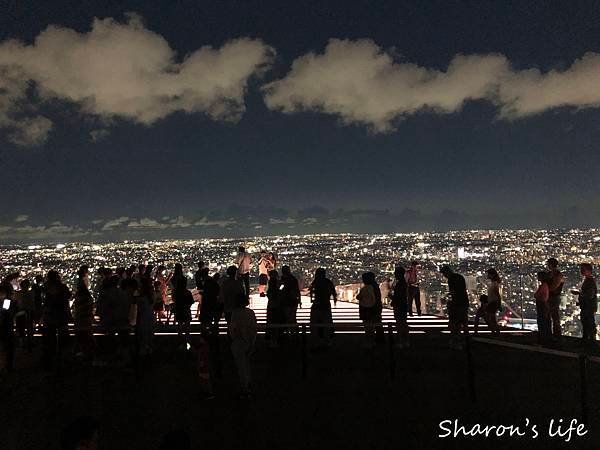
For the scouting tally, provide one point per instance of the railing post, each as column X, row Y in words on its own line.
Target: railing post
column 391, row 351
column 583, row 360
column 304, row 355
column 470, row 369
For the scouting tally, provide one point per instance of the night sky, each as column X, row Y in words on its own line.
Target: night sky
column 120, row 120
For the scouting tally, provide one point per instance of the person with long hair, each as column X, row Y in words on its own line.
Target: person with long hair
column 321, row 291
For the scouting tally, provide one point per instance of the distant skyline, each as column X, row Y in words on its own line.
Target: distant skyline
column 168, row 119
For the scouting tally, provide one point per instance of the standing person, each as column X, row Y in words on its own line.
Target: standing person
column 114, row 305
column 159, row 302
column 38, row 300
column 183, row 300
column 366, row 308
column 555, row 284
column 588, row 302
column 232, row 290
column 209, row 308
column 400, row 306
column 24, row 317
column 541, row 296
column 243, row 261
column 83, row 308
column 274, row 315
column 55, row 317
column 243, row 330
column 321, row 290
column 378, row 308
column 458, row 306
column 199, row 278
column 290, row 296
column 263, row 273
column 144, row 324
column 414, row 293
column 494, row 300
column 8, row 309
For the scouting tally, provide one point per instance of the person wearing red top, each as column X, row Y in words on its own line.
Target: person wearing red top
column 542, row 296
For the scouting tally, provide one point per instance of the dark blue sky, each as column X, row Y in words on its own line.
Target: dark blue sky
column 185, row 164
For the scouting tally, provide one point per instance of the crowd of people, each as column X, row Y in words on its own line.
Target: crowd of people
column 142, row 297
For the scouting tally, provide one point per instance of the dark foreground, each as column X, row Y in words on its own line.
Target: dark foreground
column 348, row 400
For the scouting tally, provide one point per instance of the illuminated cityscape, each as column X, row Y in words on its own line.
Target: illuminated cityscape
column 517, row 255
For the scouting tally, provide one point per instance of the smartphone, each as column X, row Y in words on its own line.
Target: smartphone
column 6, row 303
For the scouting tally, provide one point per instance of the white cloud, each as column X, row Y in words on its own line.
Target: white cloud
column 146, row 222
column 98, row 135
column 361, row 83
column 204, row 222
column 123, row 70
column 22, row 218
column 110, row 224
column 531, row 91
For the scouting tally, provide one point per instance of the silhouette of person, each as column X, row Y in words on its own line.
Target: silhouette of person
column 209, row 308
column 231, row 291
column 400, row 306
column 55, row 317
column 555, row 285
column 588, row 302
column 321, row 290
column 243, row 261
column 366, row 308
column 414, row 293
column 274, row 315
column 458, row 305
column 541, row 296
column 290, row 296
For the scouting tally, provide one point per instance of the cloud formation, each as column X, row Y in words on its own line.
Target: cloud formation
column 122, row 70
column 361, row 83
